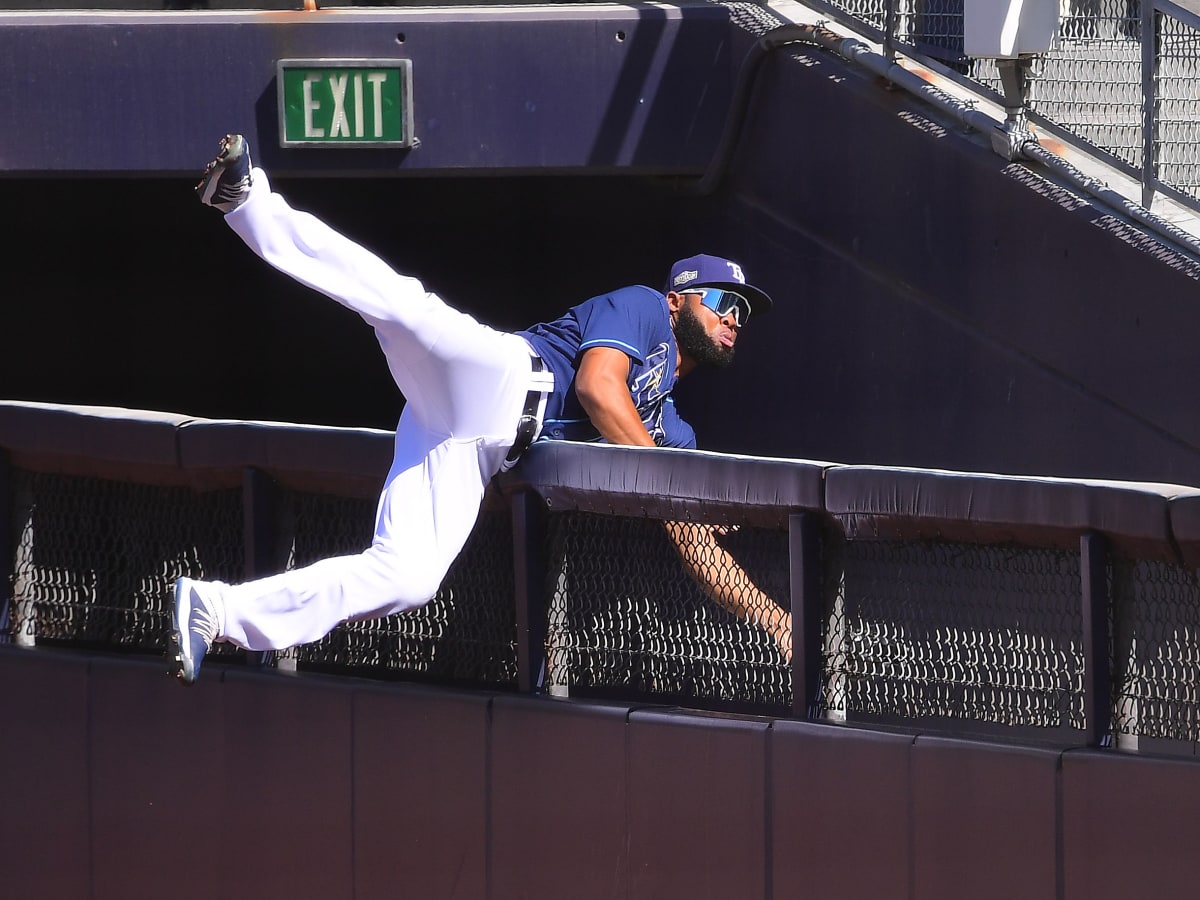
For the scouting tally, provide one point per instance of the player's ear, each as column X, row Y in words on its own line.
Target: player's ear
column 674, row 302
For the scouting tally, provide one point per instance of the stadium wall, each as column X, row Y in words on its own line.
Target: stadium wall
column 121, row 782
column 938, row 306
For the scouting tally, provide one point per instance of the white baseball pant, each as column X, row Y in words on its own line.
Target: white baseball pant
column 465, row 386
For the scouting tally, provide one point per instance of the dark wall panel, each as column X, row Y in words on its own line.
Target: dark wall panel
column 158, row 799
column 840, row 812
column 117, row 780
column 984, row 821
column 1129, row 826
column 697, row 814
column 558, row 784
column 44, row 815
column 420, row 794
column 288, row 787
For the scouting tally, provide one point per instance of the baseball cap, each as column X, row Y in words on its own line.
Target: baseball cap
column 713, row 271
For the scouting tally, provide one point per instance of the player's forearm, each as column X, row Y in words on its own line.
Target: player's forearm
column 727, row 584
column 610, row 408
column 619, row 429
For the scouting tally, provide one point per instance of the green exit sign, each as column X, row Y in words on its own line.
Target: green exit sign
column 345, row 103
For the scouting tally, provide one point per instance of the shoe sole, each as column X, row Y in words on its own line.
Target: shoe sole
column 230, row 153
column 180, row 665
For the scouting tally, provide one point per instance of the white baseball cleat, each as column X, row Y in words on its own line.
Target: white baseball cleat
column 193, row 630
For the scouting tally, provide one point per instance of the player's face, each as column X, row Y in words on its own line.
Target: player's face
column 704, row 336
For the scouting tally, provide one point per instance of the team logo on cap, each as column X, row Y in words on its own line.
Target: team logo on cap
column 738, row 276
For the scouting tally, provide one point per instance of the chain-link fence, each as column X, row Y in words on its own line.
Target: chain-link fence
column 629, row 614
column 969, row 634
column 1156, row 652
column 465, row 635
column 954, row 637
column 1138, row 105
column 95, row 559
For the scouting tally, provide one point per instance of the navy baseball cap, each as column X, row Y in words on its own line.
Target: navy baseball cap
column 713, row 271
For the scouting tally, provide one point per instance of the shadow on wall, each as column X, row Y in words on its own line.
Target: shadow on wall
column 129, row 293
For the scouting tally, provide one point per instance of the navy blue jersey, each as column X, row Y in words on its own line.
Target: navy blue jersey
column 634, row 320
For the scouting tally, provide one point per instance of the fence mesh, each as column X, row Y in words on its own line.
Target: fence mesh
column 95, row 559
column 466, row 634
column 949, row 636
column 1090, row 83
column 1156, row 653
column 956, row 632
column 626, row 618
column 1177, row 107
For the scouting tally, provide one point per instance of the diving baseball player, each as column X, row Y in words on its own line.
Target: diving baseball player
column 475, row 399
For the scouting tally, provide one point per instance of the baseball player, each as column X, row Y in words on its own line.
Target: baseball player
column 475, row 399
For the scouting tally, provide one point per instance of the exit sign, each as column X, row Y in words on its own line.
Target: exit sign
column 345, row 102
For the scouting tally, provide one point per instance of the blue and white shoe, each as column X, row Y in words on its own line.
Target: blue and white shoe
column 226, row 181
column 193, row 629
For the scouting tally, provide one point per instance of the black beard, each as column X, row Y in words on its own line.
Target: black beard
column 695, row 342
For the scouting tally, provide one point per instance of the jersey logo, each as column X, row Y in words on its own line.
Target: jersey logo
column 648, row 393
column 645, row 387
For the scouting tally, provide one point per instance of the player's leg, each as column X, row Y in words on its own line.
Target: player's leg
column 447, row 365
column 425, row 515
column 302, row 246
column 426, row 511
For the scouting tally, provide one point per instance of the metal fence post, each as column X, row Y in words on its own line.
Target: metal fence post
column 18, row 613
column 261, row 539
column 1150, row 20
column 529, row 582
column 1097, row 665
column 804, row 552
column 8, row 545
column 889, row 30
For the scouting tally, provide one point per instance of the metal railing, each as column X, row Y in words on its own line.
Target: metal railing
column 1123, row 77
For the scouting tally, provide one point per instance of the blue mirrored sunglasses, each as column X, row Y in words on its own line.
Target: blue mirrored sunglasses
column 723, row 302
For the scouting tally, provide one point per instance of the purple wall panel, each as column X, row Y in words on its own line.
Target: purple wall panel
column 1129, row 826
column 984, row 821
column 697, row 815
column 288, row 787
column 158, row 800
column 44, row 814
column 420, row 793
column 558, row 787
column 310, row 786
column 841, row 823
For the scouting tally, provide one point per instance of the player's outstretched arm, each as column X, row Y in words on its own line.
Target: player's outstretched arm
column 601, row 384
column 727, row 584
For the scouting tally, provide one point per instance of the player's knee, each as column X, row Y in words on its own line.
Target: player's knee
column 412, row 580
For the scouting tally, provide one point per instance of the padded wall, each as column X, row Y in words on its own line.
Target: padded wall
column 118, row 779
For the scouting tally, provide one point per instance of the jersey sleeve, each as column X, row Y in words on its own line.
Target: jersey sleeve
column 618, row 320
